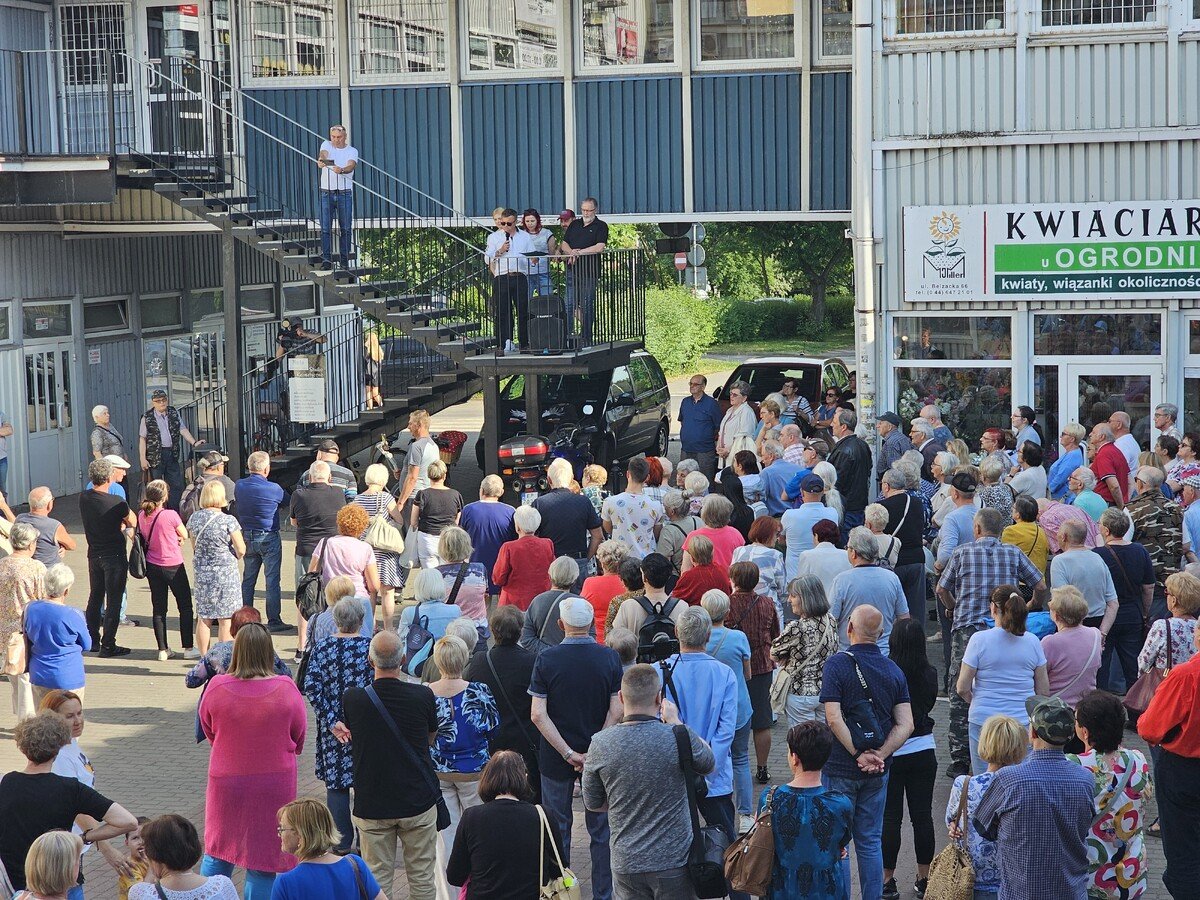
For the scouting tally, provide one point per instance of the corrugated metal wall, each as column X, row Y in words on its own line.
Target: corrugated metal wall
column 22, row 28
column 829, row 139
column 1188, row 83
column 103, row 266
column 35, row 265
column 114, row 379
column 627, row 150
column 282, row 179
column 405, row 131
column 152, row 276
column 746, row 135
column 1112, row 85
column 946, row 91
column 513, row 138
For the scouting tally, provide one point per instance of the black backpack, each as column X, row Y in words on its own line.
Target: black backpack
column 656, row 636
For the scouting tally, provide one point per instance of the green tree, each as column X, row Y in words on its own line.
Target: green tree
column 816, row 255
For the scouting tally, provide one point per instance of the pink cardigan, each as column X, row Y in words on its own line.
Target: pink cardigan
column 257, row 731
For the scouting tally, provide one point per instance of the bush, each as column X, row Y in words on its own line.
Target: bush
column 679, row 327
column 741, row 321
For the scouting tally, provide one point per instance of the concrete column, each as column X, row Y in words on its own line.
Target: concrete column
column 230, row 284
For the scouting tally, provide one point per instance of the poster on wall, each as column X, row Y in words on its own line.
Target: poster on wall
column 537, row 14
column 1133, row 250
column 306, row 389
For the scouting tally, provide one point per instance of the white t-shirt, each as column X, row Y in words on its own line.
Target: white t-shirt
column 1004, row 665
column 339, row 156
column 1128, row 445
column 72, row 762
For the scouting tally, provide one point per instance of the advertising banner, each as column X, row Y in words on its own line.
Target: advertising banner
column 306, row 388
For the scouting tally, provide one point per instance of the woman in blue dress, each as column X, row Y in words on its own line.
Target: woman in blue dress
column 337, row 663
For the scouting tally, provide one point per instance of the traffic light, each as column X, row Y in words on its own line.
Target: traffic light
column 673, row 245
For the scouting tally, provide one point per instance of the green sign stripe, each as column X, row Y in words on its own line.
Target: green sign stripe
column 1098, row 283
column 1098, row 257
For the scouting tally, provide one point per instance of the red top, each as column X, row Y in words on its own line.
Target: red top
column 695, row 581
column 522, row 570
column 599, row 591
column 1173, row 713
column 1111, row 461
column 725, row 541
column 754, row 615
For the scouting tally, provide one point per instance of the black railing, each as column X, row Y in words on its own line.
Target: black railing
column 60, row 103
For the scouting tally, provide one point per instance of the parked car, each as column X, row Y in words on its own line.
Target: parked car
column 628, row 408
column 766, row 374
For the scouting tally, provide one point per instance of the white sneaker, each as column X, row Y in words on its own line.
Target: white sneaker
column 164, row 655
column 191, row 653
column 510, row 347
column 745, row 824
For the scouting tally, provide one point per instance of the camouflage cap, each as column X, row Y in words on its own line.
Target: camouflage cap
column 1052, row 720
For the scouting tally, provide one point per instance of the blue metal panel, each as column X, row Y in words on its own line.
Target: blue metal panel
column 830, row 141
column 283, row 179
column 746, row 134
column 405, row 131
column 513, row 138
column 629, row 144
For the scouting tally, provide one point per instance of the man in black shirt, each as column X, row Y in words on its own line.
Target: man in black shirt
column 568, row 519
column 107, row 519
column 392, row 797
column 852, row 458
column 906, row 521
column 585, row 238
column 314, row 513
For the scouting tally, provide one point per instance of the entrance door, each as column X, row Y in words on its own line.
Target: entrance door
column 54, row 455
column 169, row 43
column 1094, row 391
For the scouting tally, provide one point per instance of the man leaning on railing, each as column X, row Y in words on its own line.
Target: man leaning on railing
column 583, row 242
column 337, row 160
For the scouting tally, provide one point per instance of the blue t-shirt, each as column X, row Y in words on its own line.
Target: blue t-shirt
column 59, row 637
column 773, row 480
column 311, row 880
column 793, row 486
column 867, row 586
column 699, row 421
column 258, row 502
column 734, row 649
column 114, row 488
column 1004, row 665
column 958, row 528
column 840, row 684
column 489, row 525
column 797, row 531
column 578, row 679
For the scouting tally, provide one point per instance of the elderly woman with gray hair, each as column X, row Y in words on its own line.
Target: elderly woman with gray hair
column 685, row 468
column 1082, row 483
column 599, row 590
column 542, row 628
column 337, row 663
column 22, row 580
column 732, row 647
column 105, row 439
column 680, row 523
column 993, row 493
column 805, row 646
column 57, row 637
column 940, row 503
column 455, row 551
column 736, row 431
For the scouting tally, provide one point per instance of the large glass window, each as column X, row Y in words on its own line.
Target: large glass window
column 512, row 34
column 204, row 305
column 162, row 312
column 835, row 18
column 91, row 37
column 922, row 17
column 971, row 399
column 952, row 337
column 1045, row 402
column 733, row 30
column 400, row 36
column 257, row 302
column 300, row 298
column 1191, row 404
column 290, row 38
column 46, row 320
column 627, row 32
column 1070, row 13
column 1097, row 334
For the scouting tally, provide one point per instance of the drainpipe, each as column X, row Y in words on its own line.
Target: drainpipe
column 862, row 230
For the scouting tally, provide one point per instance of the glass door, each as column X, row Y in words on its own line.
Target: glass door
column 53, row 451
column 1093, row 392
column 170, row 46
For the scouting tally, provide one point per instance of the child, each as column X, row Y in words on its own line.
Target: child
column 138, row 864
column 594, row 479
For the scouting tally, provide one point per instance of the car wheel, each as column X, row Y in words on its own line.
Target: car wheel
column 661, row 438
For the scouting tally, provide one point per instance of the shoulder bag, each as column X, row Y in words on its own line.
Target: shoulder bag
column 550, row 617
column 781, row 690
column 706, row 858
column 310, row 594
column 358, row 879
column 487, row 656
column 860, row 716
column 140, row 548
column 952, row 874
column 1091, row 657
column 424, row 766
column 566, row 885
column 1141, row 692
column 750, row 860
column 381, row 534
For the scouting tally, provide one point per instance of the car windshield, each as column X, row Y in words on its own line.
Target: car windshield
column 573, row 389
column 765, row 379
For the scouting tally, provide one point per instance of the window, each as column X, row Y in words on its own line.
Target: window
column 747, row 29
column 91, row 37
column 257, row 302
column 512, row 34
column 1070, row 13
column 925, row 17
column 1045, row 401
column 105, row 315
column 394, row 37
column 627, row 32
column 949, row 337
column 162, row 312
column 204, row 305
column 643, row 383
column 971, row 399
column 299, row 298
column 5, row 323
column 835, row 23
column 290, row 38
column 1097, row 335
column 46, row 320
column 622, row 383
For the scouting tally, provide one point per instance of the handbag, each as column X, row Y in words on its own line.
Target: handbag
column 424, row 766
column 310, row 594
column 1141, row 692
column 952, row 874
column 566, row 885
column 137, row 553
column 750, row 860
column 16, row 654
column 706, row 858
column 358, row 879
column 382, row 535
column 781, row 690
column 533, row 747
column 860, row 716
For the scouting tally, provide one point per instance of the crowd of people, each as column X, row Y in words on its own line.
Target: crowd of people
column 471, row 667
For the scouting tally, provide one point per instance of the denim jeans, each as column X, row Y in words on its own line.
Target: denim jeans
column 341, row 204
column 4, row 476
column 1125, row 641
column 868, row 796
column 669, row 884
column 539, row 284
column 258, row 884
column 75, row 893
column 263, row 548
column 743, row 788
column 556, row 799
column 581, row 296
column 338, row 801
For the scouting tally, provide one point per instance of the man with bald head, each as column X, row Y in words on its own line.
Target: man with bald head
column 862, row 752
column 53, row 540
column 1109, row 466
column 1120, row 423
column 933, row 416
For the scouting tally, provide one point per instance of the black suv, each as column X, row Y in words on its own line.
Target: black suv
column 629, row 407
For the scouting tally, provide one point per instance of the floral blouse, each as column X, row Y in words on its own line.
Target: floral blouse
column 803, row 649
column 1183, row 644
column 464, row 723
column 984, row 855
column 21, row 582
column 1115, row 842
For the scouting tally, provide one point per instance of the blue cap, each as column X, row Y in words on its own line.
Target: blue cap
column 812, row 484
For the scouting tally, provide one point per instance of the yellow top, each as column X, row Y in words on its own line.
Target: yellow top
column 1031, row 539
column 125, row 882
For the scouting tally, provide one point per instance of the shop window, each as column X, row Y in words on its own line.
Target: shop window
column 971, row 399
column 5, row 323
column 1092, row 13
column 1045, row 402
column 505, row 35
column 46, row 320
column 835, row 29
column 627, row 32
column 290, row 38
column 393, row 37
column 105, row 315
column 950, row 337
column 919, row 18
column 1097, row 334
column 735, row 30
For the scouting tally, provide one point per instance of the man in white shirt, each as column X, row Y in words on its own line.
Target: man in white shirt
column 336, row 162
column 506, row 257
column 1119, row 422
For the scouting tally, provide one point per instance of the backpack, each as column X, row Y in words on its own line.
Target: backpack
column 418, row 638
column 189, row 503
column 656, row 636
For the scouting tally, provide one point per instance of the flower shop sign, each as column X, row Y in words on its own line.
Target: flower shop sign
column 1147, row 250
